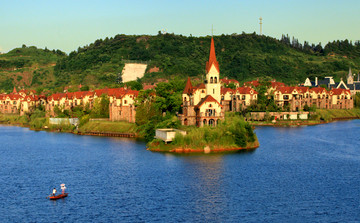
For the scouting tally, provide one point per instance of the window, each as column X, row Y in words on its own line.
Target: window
column 222, row 97
column 211, row 122
column 120, row 112
column 125, row 102
column 210, row 112
column 211, row 80
column 243, row 97
column 203, row 91
column 185, row 98
column 214, row 91
column 286, row 97
column 215, row 80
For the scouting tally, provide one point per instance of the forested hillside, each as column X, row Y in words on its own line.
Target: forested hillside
column 28, row 67
column 241, row 56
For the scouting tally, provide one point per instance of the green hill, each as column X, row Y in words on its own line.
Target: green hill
column 28, row 67
column 241, row 56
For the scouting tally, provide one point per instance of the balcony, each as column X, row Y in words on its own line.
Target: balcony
column 211, row 114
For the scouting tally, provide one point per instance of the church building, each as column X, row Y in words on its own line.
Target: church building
column 201, row 104
column 206, row 103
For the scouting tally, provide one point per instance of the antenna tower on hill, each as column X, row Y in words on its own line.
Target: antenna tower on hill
column 260, row 25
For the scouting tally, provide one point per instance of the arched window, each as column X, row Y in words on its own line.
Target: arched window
column 215, row 80
column 211, row 80
column 185, row 98
column 205, row 122
column 185, row 121
column 211, row 122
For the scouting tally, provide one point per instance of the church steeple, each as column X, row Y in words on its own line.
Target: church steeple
column 212, row 83
column 188, row 87
column 14, row 91
column 212, row 58
column 350, row 78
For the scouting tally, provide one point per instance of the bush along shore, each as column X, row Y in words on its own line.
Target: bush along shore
column 38, row 121
column 231, row 135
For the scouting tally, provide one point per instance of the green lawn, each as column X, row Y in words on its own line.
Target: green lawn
column 108, row 126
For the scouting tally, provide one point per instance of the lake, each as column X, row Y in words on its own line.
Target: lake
column 298, row 174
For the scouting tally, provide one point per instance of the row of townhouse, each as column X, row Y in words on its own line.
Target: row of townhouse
column 121, row 107
column 20, row 102
column 297, row 97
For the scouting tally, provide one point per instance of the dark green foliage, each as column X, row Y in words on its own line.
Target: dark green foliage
column 242, row 57
column 134, row 85
column 7, row 84
column 84, row 88
column 101, row 107
column 357, row 100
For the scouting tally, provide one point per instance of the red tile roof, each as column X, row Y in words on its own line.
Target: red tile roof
column 225, row 90
column 188, row 87
column 318, row 90
column 208, row 98
column 275, row 84
column 228, row 81
column 253, row 83
column 246, row 90
column 340, row 91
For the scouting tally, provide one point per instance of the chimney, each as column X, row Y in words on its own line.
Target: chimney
column 316, row 81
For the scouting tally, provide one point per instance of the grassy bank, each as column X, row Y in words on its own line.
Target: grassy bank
column 334, row 114
column 37, row 121
column 108, row 126
column 232, row 134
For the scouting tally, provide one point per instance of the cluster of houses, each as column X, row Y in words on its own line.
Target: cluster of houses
column 204, row 104
column 121, row 106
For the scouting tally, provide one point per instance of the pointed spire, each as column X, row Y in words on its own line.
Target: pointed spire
column 188, row 87
column 212, row 57
column 350, row 73
column 14, row 91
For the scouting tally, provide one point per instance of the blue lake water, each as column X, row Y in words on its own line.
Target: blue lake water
column 301, row 174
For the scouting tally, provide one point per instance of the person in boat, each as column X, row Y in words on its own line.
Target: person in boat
column 54, row 191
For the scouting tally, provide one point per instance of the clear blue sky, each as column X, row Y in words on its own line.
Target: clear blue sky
column 66, row 25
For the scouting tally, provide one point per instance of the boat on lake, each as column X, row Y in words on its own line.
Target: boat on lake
column 59, row 196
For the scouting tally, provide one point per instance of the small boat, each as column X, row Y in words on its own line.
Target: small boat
column 58, row 196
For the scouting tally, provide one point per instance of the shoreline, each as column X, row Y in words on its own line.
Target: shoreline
column 202, row 151
column 301, row 123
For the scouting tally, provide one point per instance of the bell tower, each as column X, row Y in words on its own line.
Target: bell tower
column 212, row 81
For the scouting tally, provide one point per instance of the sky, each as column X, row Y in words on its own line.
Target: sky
column 67, row 25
